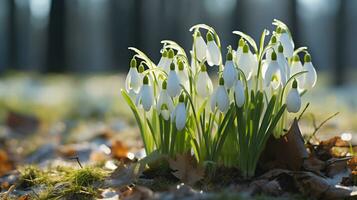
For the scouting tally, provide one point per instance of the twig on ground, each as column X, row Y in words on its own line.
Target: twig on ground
column 76, row 158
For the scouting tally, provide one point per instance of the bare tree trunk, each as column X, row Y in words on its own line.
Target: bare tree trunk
column 56, row 58
column 12, row 42
column 340, row 41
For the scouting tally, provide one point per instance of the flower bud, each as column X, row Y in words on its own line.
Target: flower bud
column 209, row 37
column 141, row 68
column 171, row 54
column 133, row 63
column 241, row 42
column 146, row 80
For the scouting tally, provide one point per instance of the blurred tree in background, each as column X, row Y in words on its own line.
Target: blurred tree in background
column 93, row 35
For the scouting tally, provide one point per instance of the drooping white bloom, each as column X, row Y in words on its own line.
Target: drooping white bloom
column 179, row 115
column 183, row 75
column 220, row 97
column 204, row 85
column 164, row 60
column 229, row 72
column 310, row 77
column 164, row 104
column 194, row 64
column 296, row 67
column 293, row 100
column 245, row 62
column 273, row 42
column 283, row 63
column 239, row 93
column 254, row 63
column 239, row 51
column 170, row 60
column 173, row 82
column 133, row 80
column 287, row 42
column 200, row 46
column 273, row 76
column 145, row 96
column 213, row 52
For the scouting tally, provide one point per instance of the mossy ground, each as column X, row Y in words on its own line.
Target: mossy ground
column 63, row 182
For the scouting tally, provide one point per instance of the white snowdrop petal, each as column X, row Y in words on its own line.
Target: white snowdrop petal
column 213, row 101
column 133, row 80
column 201, row 48
column 222, row 99
column 284, row 67
column 165, row 114
column 293, row 101
column 310, row 76
column 183, row 77
column 238, row 53
column 147, row 98
column 204, row 85
column 296, row 67
column 173, row 84
column 245, row 65
column 213, row 54
column 180, row 118
column 288, row 45
column 239, row 93
column 229, row 74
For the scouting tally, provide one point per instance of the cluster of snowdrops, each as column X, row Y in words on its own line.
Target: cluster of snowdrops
column 180, row 110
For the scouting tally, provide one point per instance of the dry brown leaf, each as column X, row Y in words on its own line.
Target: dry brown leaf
column 119, row 150
column 186, row 169
column 137, row 193
column 287, row 152
column 308, row 183
column 352, row 163
column 124, row 175
column 5, row 163
column 67, row 151
column 98, row 156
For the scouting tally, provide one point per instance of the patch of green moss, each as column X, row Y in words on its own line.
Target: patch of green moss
column 31, row 175
column 86, row 176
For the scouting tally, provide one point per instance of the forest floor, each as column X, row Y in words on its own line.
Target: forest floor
column 73, row 137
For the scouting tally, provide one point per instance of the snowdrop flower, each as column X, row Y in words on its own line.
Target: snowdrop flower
column 145, row 96
column 194, row 64
column 179, row 115
column 204, row 85
column 229, row 72
column 173, row 82
column 220, row 97
column 182, row 74
column 213, row 52
column 245, row 62
column 200, row 46
column 170, row 60
column 164, row 62
column 286, row 41
column 239, row 51
column 293, row 100
column 164, row 104
column 273, row 76
column 296, row 67
column 310, row 76
column 283, row 63
column 268, row 53
column 133, row 80
column 239, row 93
